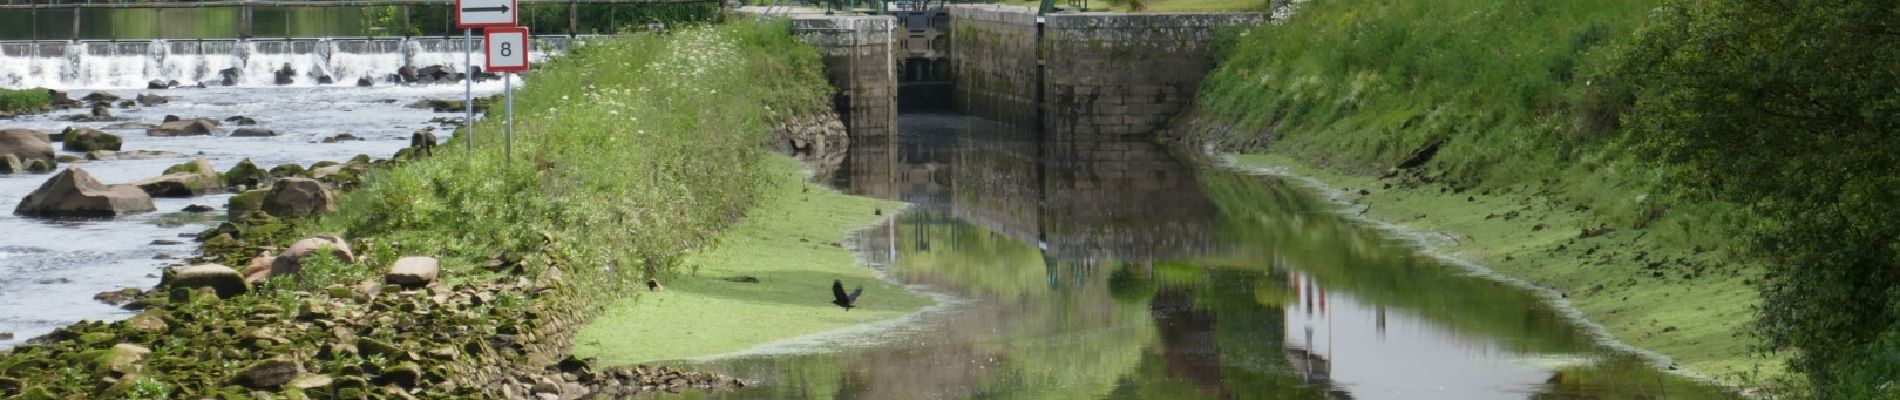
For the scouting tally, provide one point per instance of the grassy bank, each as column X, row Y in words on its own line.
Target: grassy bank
column 628, row 154
column 766, row 279
column 1487, row 121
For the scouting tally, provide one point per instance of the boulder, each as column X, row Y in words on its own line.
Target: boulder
column 285, row 75
column 226, row 281
column 26, row 146
column 101, row 110
column 95, row 97
column 299, row 197
column 407, row 74
column 130, row 125
column 365, row 82
column 258, row 269
column 246, row 174
column 81, row 138
column 122, row 359
column 74, row 193
column 240, row 120
column 184, row 180
column 189, row 127
column 325, row 80
column 291, row 261
column 171, row 118
column 230, row 76
column 286, row 171
column 10, row 164
column 253, row 132
column 412, row 271
column 127, row 103
column 248, row 201
column 149, row 100
column 341, row 137
column 158, row 84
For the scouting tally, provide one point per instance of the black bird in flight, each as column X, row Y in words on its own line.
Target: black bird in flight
column 842, row 299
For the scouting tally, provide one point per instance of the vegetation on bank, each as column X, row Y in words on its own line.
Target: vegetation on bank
column 767, row 278
column 18, row 100
column 628, row 153
column 1716, row 144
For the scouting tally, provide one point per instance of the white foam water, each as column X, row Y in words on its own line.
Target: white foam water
column 132, row 64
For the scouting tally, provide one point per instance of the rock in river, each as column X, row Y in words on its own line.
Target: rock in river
column 299, row 197
column 26, row 146
column 184, row 127
column 83, row 139
column 253, row 132
column 183, row 180
column 291, row 262
column 74, row 193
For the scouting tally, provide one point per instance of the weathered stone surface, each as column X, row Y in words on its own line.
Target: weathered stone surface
column 184, row 180
column 184, row 127
column 291, row 261
column 299, row 197
column 226, row 281
column 95, row 97
column 244, row 202
column 26, row 145
column 158, row 84
column 259, row 268
column 270, row 373
column 246, row 174
column 10, row 164
column 240, row 120
column 74, row 193
column 83, row 139
column 412, row 271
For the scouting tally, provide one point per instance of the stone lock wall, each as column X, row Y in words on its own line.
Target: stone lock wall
column 1125, row 74
column 1087, row 73
column 994, row 63
column 860, row 60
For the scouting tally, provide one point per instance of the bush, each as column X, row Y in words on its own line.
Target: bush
column 1790, row 110
column 14, row 100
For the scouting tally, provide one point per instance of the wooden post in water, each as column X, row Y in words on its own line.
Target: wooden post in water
column 75, row 23
column 244, row 21
column 573, row 18
column 405, row 21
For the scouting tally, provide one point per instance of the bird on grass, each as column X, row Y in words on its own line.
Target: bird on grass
column 842, row 299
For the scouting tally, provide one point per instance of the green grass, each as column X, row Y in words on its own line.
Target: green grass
column 791, row 242
column 17, row 100
column 1162, row 6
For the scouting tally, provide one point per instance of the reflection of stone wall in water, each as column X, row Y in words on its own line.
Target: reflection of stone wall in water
column 1126, row 199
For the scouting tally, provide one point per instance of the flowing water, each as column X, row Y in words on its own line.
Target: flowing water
column 50, row 268
column 1089, row 267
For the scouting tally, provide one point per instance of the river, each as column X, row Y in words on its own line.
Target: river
column 50, row 269
column 1107, row 268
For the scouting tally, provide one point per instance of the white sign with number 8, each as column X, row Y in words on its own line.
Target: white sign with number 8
column 507, row 49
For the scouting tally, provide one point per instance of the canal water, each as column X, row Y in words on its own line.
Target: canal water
column 1109, row 268
column 51, row 268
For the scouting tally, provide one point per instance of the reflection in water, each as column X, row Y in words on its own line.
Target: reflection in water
column 1105, row 268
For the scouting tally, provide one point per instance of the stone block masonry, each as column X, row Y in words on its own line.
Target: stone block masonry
column 1086, row 73
column 860, row 60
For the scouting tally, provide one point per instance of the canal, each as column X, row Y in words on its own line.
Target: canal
column 1110, row 267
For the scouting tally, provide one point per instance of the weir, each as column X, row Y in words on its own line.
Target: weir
column 1068, row 73
column 110, row 64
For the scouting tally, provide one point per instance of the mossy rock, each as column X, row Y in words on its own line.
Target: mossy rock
column 120, row 359
column 185, row 168
column 246, row 174
column 286, row 171
column 84, row 139
column 184, row 180
column 245, row 202
column 321, row 164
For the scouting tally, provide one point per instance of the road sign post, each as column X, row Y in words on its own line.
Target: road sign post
column 471, row 14
column 507, row 53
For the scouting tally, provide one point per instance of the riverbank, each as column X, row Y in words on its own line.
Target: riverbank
column 768, row 278
column 609, row 183
column 1645, row 293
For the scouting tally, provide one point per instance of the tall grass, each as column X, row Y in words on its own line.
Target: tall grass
column 626, row 152
column 13, row 100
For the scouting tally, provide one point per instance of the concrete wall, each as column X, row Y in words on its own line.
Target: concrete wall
column 1089, row 73
column 860, row 60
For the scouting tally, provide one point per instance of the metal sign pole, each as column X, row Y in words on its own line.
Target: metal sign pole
column 508, row 92
column 468, row 88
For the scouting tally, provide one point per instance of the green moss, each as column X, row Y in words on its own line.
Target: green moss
column 1666, row 297
column 790, row 243
column 247, row 174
